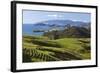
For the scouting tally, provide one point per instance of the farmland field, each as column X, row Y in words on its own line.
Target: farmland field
column 42, row 49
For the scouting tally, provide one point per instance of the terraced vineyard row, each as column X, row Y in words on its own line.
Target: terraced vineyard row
column 38, row 54
column 43, row 54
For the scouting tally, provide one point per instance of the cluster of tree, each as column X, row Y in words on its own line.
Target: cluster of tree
column 70, row 32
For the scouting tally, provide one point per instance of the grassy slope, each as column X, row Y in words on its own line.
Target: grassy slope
column 72, row 45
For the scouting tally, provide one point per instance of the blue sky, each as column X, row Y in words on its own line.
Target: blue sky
column 32, row 17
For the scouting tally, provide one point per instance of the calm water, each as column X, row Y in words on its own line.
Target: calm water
column 28, row 29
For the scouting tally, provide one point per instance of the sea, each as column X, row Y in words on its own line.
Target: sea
column 27, row 29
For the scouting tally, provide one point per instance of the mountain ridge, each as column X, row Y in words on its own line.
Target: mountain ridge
column 62, row 23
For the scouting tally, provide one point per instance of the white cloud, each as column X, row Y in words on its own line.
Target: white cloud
column 74, row 20
column 54, row 15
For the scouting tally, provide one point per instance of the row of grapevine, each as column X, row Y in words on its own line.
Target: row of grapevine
column 69, row 54
column 35, row 53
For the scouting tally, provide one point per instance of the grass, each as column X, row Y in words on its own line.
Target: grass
column 69, row 43
column 55, row 50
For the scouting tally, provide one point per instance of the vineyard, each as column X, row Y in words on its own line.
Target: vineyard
column 41, row 49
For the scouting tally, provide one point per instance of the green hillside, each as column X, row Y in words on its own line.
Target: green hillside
column 69, row 32
column 37, row 49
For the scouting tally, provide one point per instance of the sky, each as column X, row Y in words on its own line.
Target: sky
column 32, row 16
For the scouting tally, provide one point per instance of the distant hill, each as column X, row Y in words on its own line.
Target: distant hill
column 79, row 32
column 45, row 26
column 71, row 32
column 62, row 23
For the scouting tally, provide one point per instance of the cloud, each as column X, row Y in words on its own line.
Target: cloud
column 56, row 16
column 53, row 15
column 74, row 20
